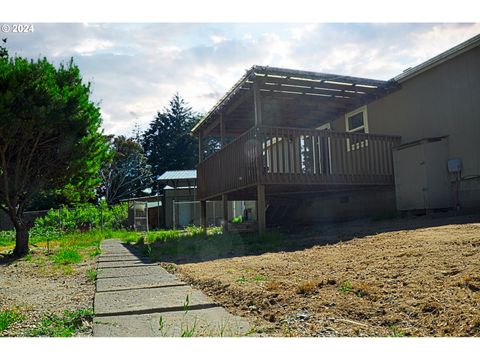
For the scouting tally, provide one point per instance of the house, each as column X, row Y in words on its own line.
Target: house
column 310, row 146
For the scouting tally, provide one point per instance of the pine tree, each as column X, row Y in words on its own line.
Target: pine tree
column 168, row 143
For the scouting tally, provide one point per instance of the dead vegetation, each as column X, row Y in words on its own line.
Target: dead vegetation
column 419, row 282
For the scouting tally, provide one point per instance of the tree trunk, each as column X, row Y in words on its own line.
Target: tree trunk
column 21, row 245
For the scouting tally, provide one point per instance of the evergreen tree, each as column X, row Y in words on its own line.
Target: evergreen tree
column 50, row 136
column 168, row 143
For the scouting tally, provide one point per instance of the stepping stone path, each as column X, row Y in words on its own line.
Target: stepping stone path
column 135, row 297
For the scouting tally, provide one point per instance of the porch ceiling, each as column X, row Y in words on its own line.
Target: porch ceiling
column 291, row 98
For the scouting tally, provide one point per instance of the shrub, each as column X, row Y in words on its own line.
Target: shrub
column 83, row 217
column 7, row 237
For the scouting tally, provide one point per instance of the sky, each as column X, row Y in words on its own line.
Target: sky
column 136, row 68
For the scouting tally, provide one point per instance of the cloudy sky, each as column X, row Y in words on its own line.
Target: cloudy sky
column 136, row 68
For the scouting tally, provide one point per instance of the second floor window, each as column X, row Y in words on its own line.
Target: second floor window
column 357, row 122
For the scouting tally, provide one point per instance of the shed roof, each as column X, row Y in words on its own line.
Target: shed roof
column 179, row 175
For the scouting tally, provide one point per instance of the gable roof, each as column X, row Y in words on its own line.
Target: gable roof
column 439, row 59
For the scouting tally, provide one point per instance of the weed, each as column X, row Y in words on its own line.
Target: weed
column 346, row 287
column 95, row 252
column 65, row 326
column 243, row 279
column 189, row 332
column 92, row 275
column 171, row 268
column 286, row 329
column 9, row 317
column 162, row 326
column 395, row 332
column 186, row 304
column 259, row 278
column 67, row 256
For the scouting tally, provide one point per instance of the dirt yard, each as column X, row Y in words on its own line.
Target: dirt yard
column 415, row 277
column 35, row 288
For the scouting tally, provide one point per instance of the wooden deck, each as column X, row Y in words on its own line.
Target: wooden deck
column 297, row 157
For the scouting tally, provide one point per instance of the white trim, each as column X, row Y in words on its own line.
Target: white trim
column 363, row 110
column 361, row 144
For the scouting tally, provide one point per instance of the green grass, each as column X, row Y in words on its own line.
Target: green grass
column 62, row 326
column 67, row 256
column 9, row 317
column 92, row 275
column 192, row 242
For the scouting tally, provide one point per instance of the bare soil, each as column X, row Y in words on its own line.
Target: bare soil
column 414, row 277
column 35, row 287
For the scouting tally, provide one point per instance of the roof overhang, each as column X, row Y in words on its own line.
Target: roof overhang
column 439, row 59
column 335, row 92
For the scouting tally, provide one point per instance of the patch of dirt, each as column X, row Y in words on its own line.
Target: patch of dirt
column 415, row 282
column 36, row 288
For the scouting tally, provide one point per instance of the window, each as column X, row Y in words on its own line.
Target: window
column 357, row 122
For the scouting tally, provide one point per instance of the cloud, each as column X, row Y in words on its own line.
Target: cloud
column 136, row 68
column 89, row 46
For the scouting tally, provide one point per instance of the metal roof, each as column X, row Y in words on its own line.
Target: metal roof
column 168, row 187
column 178, row 175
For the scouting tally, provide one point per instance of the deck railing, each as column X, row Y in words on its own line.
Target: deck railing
column 278, row 155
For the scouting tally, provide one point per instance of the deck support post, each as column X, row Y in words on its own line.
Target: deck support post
column 203, row 215
column 261, row 209
column 225, row 213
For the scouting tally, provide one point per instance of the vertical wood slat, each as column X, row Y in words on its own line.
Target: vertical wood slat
column 243, row 161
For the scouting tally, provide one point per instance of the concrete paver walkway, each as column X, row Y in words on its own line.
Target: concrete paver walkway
column 135, row 297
